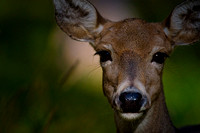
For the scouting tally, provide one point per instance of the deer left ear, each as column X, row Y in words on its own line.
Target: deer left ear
column 79, row 19
column 183, row 25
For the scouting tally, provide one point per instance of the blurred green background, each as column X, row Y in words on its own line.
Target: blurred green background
column 32, row 100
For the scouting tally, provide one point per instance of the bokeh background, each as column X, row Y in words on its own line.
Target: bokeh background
column 51, row 84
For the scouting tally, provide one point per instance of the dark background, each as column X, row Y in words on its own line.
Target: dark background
column 32, row 98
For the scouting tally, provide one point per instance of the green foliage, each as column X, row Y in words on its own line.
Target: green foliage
column 181, row 84
column 181, row 73
column 31, row 99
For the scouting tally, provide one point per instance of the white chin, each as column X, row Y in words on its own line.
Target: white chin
column 131, row 116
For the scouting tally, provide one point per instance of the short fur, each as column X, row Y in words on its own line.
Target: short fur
column 132, row 44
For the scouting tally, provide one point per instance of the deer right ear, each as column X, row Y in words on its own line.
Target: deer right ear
column 183, row 25
column 79, row 19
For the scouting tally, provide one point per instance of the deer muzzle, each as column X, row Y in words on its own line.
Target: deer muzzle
column 131, row 101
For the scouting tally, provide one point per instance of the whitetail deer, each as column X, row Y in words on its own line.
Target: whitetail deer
column 132, row 54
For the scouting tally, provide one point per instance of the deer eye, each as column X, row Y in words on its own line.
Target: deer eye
column 159, row 57
column 104, row 56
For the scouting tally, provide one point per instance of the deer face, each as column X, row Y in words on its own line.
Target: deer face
column 132, row 52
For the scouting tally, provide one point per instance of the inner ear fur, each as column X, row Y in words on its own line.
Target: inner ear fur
column 79, row 19
column 183, row 24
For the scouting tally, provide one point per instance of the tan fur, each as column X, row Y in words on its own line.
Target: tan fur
column 143, row 39
column 132, row 44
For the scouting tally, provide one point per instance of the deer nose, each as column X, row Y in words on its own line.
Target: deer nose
column 131, row 102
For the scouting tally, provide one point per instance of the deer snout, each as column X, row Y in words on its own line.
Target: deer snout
column 132, row 101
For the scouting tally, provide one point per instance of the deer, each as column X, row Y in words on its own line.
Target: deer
column 132, row 56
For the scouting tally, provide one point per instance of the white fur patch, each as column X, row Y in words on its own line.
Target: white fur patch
column 99, row 29
column 123, row 85
column 107, row 63
column 166, row 30
column 142, row 88
column 108, row 46
column 157, row 49
column 131, row 116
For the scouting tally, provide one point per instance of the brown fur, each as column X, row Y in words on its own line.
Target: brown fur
column 132, row 59
column 132, row 44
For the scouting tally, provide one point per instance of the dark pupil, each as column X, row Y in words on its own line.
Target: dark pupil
column 159, row 57
column 104, row 56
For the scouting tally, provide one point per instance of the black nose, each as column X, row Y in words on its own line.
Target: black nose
column 131, row 102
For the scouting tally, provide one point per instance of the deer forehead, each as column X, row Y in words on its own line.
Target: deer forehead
column 134, row 35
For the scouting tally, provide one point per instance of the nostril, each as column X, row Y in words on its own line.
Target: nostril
column 130, row 101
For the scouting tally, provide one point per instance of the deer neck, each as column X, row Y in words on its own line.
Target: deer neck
column 155, row 120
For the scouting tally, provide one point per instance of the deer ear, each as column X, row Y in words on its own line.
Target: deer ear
column 79, row 19
column 183, row 24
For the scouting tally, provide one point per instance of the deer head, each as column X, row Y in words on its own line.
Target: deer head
column 132, row 52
